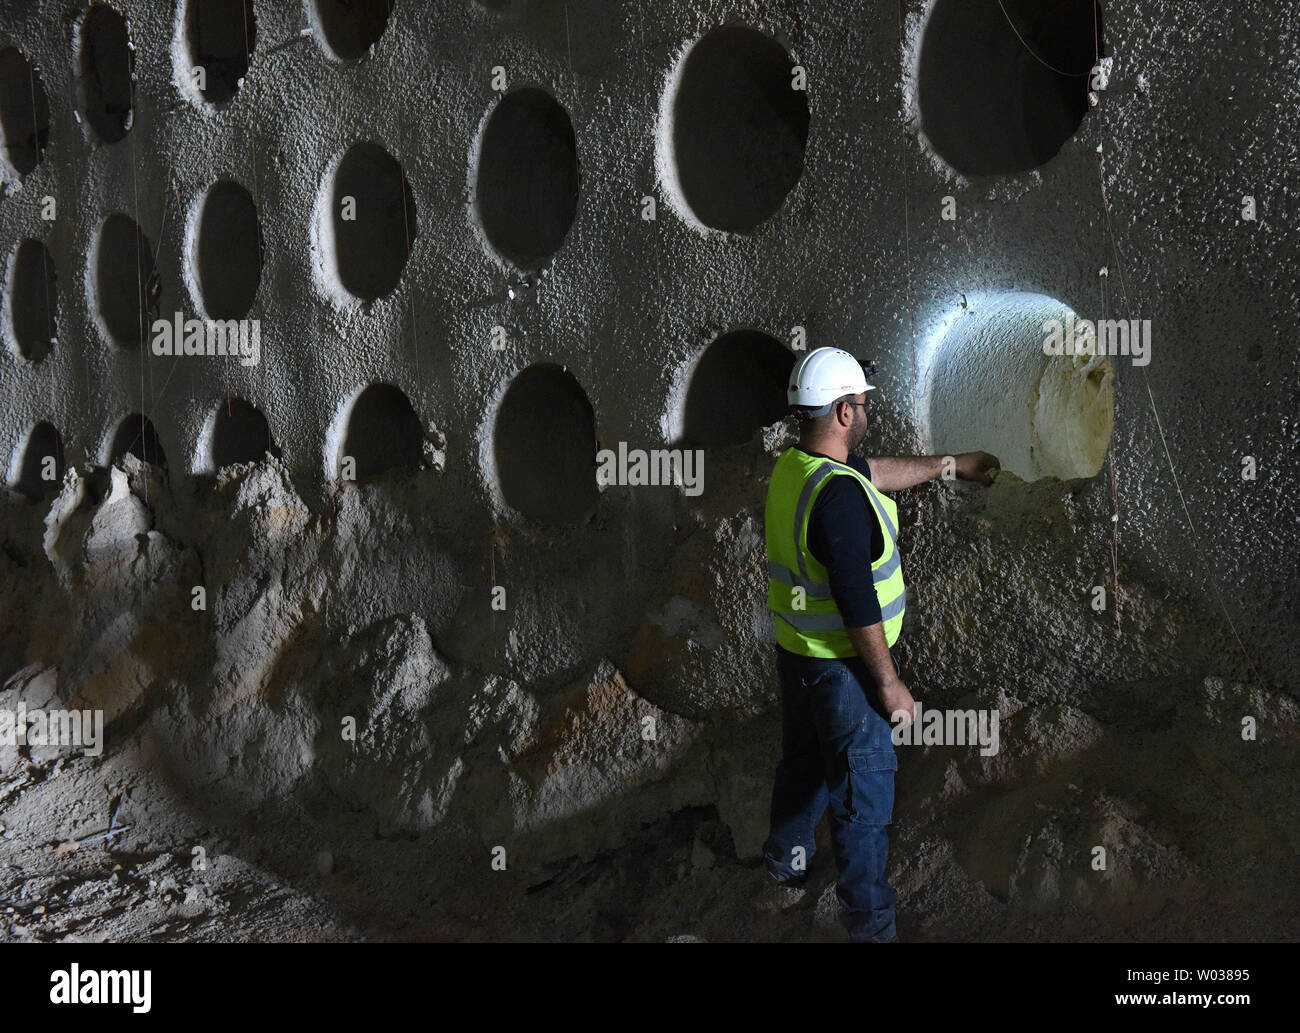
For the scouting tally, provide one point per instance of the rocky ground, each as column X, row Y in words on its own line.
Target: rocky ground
column 492, row 791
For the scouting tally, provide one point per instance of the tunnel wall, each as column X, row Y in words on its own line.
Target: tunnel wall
column 626, row 304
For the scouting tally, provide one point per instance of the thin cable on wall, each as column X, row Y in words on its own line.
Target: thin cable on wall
column 1030, row 50
column 907, row 263
column 1164, row 443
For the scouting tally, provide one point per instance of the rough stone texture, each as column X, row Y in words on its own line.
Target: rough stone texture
column 522, row 727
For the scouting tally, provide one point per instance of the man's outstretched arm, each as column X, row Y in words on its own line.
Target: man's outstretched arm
column 894, row 473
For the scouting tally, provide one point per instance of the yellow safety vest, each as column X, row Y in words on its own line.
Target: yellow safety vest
column 798, row 590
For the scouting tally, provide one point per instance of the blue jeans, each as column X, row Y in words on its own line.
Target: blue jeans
column 836, row 751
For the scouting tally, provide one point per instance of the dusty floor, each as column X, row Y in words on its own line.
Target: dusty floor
column 222, row 736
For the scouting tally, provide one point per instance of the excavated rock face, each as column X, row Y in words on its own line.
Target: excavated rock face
column 367, row 632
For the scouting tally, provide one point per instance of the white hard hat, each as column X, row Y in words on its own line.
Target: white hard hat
column 824, row 375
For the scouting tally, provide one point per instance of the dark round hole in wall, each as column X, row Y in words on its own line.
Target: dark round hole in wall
column 544, row 446
column 33, row 300
column 222, row 35
column 989, row 105
column 351, row 27
column 41, row 468
column 738, row 385
column 107, row 65
column 229, row 251
column 739, row 128
column 124, row 287
column 24, row 111
column 374, row 221
column 384, row 433
column 240, row 434
column 527, row 180
column 136, row 435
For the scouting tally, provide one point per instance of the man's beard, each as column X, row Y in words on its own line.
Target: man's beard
column 858, row 432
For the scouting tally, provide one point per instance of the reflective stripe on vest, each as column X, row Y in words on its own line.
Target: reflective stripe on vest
column 788, row 577
column 810, row 624
column 831, row 621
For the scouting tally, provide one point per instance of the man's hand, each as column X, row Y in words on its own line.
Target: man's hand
column 977, row 466
column 896, row 698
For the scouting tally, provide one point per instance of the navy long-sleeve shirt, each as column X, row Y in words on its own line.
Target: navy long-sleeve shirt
column 845, row 536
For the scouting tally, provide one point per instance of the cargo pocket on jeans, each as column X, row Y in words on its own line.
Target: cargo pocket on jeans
column 871, row 785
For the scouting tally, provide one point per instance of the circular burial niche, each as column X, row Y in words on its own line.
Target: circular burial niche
column 365, row 223
column 24, row 112
column 347, row 29
column 237, row 432
column 226, row 251
column 107, row 72
column 736, row 385
column 987, row 384
column 526, row 179
column 732, row 130
column 988, row 105
column 382, row 433
column 37, row 467
column 31, row 301
column 123, row 264
column 136, row 434
column 219, row 38
column 544, row 446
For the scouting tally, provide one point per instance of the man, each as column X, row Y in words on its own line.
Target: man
column 835, row 586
